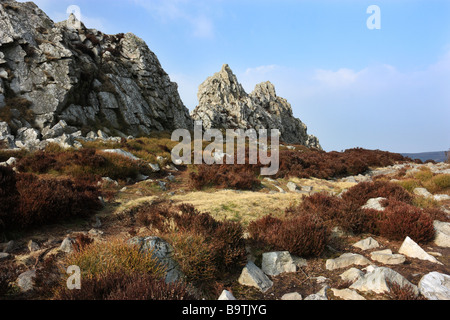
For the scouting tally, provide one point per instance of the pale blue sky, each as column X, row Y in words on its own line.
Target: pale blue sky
column 383, row 89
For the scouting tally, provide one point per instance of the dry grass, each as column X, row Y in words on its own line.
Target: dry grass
column 243, row 207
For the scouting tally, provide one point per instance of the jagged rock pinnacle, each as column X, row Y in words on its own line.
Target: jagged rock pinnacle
column 223, row 103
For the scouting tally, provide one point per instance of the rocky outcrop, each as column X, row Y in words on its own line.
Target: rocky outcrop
column 65, row 72
column 224, row 104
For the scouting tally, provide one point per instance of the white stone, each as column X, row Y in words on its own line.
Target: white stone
column 347, row 260
column 66, row 246
column 155, row 167
column 442, row 238
column 254, row 277
column 441, row 197
column 347, row 294
column 352, row 275
column 4, row 256
column 276, row 263
column 25, row 281
column 33, row 246
column 422, row 192
column 294, row 296
column 375, row 204
column 387, row 257
column 226, row 296
column 411, row 249
column 435, row 286
column 292, row 187
column 367, row 244
column 123, row 153
column 377, row 280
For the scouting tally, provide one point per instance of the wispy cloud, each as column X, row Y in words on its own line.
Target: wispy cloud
column 194, row 14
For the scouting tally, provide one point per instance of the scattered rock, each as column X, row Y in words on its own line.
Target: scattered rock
column 33, row 246
column 411, row 249
column 299, row 262
column 226, row 296
column 9, row 247
column 292, row 187
column 122, row 153
column 161, row 250
column 276, row 263
column 321, row 279
column 442, row 238
column 96, row 233
column 315, row 297
column 422, row 192
column 377, row 280
column 347, row 294
column 155, row 167
column 307, row 189
column 386, row 257
column 321, row 295
column 435, row 286
column 108, row 181
column 162, row 185
column 352, row 275
column 375, row 204
column 346, row 260
column 441, row 197
column 67, row 245
column 367, row 244
column 25, row 281
column 253, row 276
column 4, row 256
column 294, row 296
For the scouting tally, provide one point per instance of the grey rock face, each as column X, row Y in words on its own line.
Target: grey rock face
column 52, row 72
column 224, row 104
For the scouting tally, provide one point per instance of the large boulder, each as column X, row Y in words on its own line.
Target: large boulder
column 52, row 72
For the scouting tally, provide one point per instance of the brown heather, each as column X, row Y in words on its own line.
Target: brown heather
column 120, row 286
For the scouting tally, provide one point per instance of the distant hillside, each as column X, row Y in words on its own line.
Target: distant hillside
column 439, row 156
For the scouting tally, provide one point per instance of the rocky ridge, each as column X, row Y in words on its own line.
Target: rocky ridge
column 224, row 104
column 64, row 81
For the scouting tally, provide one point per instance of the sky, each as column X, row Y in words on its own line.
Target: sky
column 386, row 89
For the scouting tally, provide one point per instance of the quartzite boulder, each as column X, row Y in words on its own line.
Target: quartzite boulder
column 53, row 72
